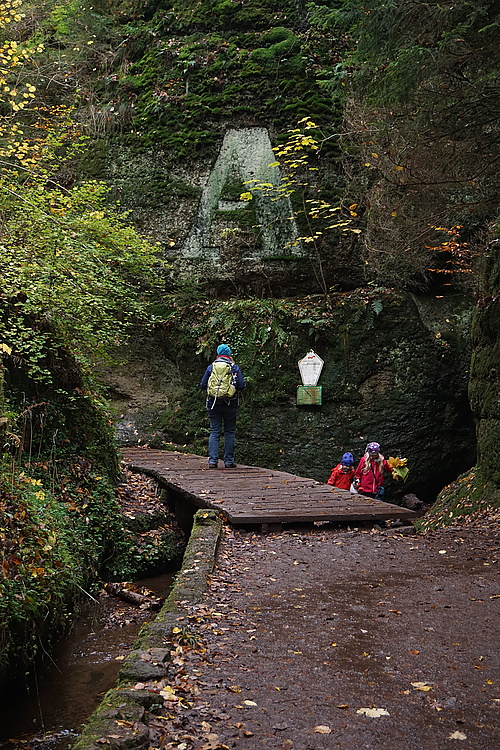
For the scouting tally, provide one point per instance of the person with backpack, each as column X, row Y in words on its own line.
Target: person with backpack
column 343, row 473
column 222, row 381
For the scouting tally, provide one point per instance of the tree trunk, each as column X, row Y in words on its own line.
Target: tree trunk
column 116, row 589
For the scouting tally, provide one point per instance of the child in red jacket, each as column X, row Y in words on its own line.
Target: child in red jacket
column 343, row 473
column 369, row 476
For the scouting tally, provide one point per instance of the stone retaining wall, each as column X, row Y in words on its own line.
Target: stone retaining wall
column 119, row 722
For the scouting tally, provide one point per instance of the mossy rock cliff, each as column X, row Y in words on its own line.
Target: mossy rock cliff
column 393, row 372
column 161, row 84
column 484, row 383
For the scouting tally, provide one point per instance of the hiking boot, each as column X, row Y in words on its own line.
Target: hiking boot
column 212, row 466
column 230, row 466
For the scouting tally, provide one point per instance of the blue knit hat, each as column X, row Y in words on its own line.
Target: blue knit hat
column 223, row 349
column 347, row 459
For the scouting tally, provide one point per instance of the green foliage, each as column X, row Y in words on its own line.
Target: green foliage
column 422, row 89
column 53, row 535
column 74, row 263
column 201, row 71
column 63, row 16
column 188, row 16
column 75, row 278
column 146, row 554
column 401, row 46
column 263, row 332
column 61, row 529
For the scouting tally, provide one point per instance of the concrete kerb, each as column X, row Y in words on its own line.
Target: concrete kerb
column 120, row 720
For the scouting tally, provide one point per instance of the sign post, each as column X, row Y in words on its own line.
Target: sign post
column 309, row 393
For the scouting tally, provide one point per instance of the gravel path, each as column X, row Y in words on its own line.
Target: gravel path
column 321, row 638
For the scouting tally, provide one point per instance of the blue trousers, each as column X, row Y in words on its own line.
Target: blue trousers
column 222, row 418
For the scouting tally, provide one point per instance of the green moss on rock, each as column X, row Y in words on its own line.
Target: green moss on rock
column 387, row 377
column 484, row 385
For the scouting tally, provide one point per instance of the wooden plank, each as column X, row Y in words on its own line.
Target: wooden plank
column 252, row 495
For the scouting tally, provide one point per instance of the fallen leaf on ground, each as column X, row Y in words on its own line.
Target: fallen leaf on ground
column 168, row 693
column 321, row 729
column 423, row 686
column 457, row 736
column 249, row 703
column 212, row 743
column 373, row 712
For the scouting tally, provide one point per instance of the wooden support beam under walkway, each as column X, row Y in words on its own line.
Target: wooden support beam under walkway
column 249, row 495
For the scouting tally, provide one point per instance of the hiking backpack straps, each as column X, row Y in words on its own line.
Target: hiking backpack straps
column 220, row 382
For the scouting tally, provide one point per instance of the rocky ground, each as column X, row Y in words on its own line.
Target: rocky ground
column 325, row 638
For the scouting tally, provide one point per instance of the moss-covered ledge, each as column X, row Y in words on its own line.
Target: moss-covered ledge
column 120, row 721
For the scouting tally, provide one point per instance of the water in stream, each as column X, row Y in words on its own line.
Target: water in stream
column 84, row 665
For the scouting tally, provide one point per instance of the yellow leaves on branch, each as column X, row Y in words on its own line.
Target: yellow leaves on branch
column 395, row 461
column 459, row 255
column 399, row 468
column 9, row 12
column 294, row 154
column 14, row 91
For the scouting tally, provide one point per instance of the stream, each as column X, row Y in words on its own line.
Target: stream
column 49, row 714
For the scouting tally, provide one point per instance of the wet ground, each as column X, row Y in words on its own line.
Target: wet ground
column 321, row 638
column 48, row 713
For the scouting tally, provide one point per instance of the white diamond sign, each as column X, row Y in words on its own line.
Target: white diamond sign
column 310, row 368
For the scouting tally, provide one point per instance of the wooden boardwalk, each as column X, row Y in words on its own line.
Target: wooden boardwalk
column 249, row 495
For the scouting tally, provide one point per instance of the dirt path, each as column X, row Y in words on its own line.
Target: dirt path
column 341, row 639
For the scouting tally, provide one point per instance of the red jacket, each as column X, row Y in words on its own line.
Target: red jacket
column 374, row 478
column 341, row 478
